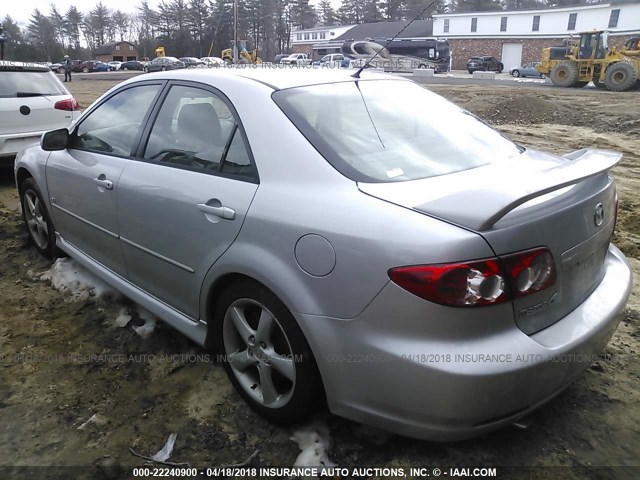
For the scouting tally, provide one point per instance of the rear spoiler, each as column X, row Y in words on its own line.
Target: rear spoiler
column 484, row 207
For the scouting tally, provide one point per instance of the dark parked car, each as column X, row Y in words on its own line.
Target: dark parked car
column 279, row 57
column 92, row 66
column 132, row 65
column 160, row 64
column 485, row 64
column 191, row 62
column 59, row 66
column 527, row 70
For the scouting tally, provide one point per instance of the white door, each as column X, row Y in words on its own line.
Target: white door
column 511, row 55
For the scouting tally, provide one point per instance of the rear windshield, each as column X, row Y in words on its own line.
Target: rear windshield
column 29, row 84
column 386, row 130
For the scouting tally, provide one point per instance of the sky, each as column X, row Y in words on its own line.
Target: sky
column 21, row 10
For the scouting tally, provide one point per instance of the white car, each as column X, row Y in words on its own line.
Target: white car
column 115, row 65
column 32, row 101
column 211, row 62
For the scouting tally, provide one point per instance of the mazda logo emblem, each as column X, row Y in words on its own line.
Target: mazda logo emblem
column 598, row 215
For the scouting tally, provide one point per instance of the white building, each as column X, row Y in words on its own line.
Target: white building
column 519, row 36
column 303, row 40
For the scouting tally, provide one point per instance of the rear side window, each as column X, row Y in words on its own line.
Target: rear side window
column 113, row 127
column 29, row 84
column 384, row 131
column 196, row 129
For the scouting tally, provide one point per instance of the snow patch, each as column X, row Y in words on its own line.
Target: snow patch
column 150, row 321
column 75, row 282
column 314, row 441
column 95, row 418
column 123, row 318
column 166, row 451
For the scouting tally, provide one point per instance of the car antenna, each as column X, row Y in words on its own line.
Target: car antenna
column 357, row 74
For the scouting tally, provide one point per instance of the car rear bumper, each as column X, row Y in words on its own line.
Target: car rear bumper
column 11, row 144
column 456, row 384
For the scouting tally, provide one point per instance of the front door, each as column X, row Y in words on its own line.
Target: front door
column 183, row 203
column 83, row 179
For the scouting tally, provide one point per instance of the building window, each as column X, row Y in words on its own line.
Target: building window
column 117, row 47
column 503, row 24
column 474, row 24
column 130, row 47
column 446, row 25
column 306, row 36
column 613, row 19
column 323, row 35
column 536, row 23
column 298, row 36
column 572, row 21
column 315, row 35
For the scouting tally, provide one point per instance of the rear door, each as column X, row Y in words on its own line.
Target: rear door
column 83, row 179
column 182, row 204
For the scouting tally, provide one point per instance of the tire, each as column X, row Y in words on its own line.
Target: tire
column 125, row 68
column 295, row 386
column 163, row 69
column 621, row 76
column 36, row 219
column 500, row 68
column 85, row 70
column 564, row 74
column 422, row 65
column 470, row 72
column 61, row 70
column 145, row 69
column 515, row 73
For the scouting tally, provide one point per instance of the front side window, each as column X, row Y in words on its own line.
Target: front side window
column 383, row 131
column 195, row 129
column 114, row 126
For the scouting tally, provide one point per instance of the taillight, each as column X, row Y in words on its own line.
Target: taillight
column 68, row 104
column 481, row 282
column 529, row 271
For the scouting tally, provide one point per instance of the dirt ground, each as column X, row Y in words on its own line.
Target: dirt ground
column 50, row 385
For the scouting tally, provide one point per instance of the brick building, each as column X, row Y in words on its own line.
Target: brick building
column 517, row 37
column 116, row 51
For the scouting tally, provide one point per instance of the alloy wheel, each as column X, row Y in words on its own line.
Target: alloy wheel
column 259, row 353
column 36, row 222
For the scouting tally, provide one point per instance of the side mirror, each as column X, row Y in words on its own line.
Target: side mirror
column 55, row 140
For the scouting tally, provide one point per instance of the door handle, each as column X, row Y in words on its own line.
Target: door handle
column 217, row 209
column 102, row 181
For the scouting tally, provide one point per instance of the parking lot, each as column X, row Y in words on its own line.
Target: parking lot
column 164, row 385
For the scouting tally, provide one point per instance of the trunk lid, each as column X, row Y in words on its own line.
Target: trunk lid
column 566, row 204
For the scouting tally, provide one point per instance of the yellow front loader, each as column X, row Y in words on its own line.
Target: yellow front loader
column 590, row 59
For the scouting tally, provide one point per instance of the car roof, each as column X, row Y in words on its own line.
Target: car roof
column 22, row 66
column 276, row 78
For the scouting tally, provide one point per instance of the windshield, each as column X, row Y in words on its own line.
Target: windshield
column 388, row 130
column 25, row 83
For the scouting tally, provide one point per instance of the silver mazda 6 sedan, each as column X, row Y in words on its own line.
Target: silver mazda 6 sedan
column 359, row 242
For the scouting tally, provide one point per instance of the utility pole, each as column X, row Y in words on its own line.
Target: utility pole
column 235, row 31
